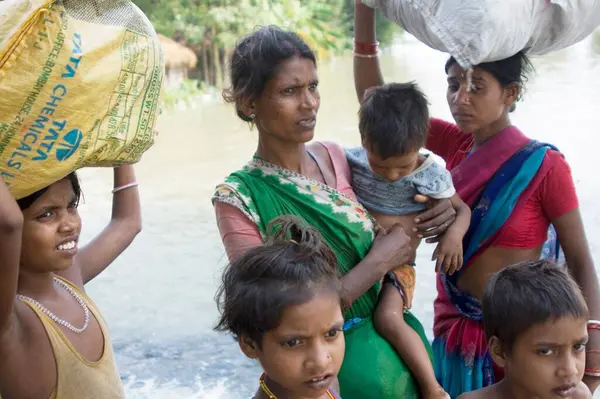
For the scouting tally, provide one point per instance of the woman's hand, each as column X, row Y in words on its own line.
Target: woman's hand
column 390, row 248
column 434, row 221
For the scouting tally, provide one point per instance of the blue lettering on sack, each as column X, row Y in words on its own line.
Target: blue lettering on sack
column 47, row 135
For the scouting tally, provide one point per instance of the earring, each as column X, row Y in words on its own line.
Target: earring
column 252, row 116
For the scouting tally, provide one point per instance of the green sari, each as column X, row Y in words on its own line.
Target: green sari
column 372, row 368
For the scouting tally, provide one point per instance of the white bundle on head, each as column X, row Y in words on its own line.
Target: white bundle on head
column 476, row 31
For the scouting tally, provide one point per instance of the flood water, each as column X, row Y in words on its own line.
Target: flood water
column 158, row 297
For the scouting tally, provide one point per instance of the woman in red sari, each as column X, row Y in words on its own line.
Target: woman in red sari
column 516, row 188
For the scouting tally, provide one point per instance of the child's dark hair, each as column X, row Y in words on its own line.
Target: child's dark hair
column 529, row 293
column 288, row 270
column 511, row 70
column 394, row 119
column 26, row 202
column 256, row 59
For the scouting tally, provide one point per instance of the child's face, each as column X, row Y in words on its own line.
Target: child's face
column 51, row 230
column 548, row 360
column 393, row 168
column 303, row 355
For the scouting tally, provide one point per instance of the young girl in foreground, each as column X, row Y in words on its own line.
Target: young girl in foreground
column 281, row 301
column 53, row 340
column 536, row 321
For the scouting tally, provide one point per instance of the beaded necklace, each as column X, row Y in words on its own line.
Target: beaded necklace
column 54, row 317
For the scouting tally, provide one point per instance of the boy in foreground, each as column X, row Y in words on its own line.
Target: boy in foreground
column 536, row 321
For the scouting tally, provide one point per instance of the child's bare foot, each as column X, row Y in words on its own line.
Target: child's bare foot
column 435, row 392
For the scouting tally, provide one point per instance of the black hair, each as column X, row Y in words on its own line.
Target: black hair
column 256, row 59
column 394, row 119
column 26, row 202
column 288, row 270
column 512, row 70
column 529, row 293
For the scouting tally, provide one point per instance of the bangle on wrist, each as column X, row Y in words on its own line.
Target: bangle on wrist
column 593, row 325
column 360, row 55
column 366, row 48
column 125, row 186
column 592, row 372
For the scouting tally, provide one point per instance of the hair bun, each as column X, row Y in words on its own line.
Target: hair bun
column 292, row 230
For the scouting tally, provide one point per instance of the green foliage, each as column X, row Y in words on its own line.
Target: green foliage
column 211, row 28
column 326, row 24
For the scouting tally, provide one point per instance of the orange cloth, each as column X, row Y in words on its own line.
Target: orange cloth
column 404, row 279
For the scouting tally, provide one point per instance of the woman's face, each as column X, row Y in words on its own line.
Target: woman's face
column 287, row 109
column 51, row 230
column 486, row 105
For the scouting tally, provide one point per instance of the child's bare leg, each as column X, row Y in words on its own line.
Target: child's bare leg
column 389, row 322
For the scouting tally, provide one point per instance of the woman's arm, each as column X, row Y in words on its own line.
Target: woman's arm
column 367, row 72
column 389, row 250
column 11, row 227
column 560, row 204
column 571, row 235
column 238, row 233
column 125, row 224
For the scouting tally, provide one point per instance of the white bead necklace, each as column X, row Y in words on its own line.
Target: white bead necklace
column 55, row 318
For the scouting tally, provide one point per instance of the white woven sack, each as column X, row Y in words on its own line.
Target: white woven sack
column 476, row 31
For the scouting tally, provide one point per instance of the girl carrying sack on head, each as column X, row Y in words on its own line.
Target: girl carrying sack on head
column 80, row 83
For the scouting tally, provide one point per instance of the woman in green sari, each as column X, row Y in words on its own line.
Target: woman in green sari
column 274, row 87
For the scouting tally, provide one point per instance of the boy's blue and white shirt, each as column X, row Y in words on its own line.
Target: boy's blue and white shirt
column 397, row 197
